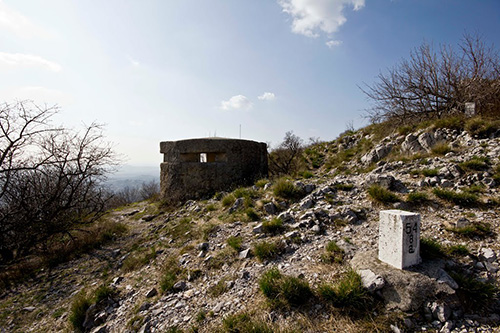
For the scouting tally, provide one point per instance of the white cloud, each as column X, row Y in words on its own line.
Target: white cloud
column 133, row 61
column 313, row 16
column 267, row 96
column 19, row 24
column 38, row 94
column 13, row 60
column 238, row 102
column 332, row 43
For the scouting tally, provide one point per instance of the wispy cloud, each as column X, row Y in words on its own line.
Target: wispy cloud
column 332, row 43
column 238, row 102
column 267, row 96
column 19, row 24
column 16, row 60
column 311, row 17
column 134, row 62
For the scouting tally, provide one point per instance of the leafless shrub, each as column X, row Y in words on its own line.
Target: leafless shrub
column 433, row 84
column 286, row 158
column 50, row 178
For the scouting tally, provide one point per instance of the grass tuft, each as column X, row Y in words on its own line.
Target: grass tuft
column 464, row 199
column 285, row 189
column 382, row 195
column 283, row 290
column 273, row 226
column 348, row 292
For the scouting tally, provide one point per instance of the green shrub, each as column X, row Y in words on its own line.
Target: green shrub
column 243, row 323
column 285, row 290
column 382, row 195
column 344, row 187
column 481, row 128
column 307, row 174
column 474, row 230
column 261, row 183
column 78, row 309
column 473, row 293
column 440, row 149
column 476, row 163
column 417, row 197
column 455, row 123
column 285, row 189
column 170, row 275
column 464, row 199
column 137, row 260
column 431, row 249
column 333, row 253
column 457, row 250
column 348, row 292
column 266, row 250
column 273, row 226
column 252, row 214
column 235, row 243
column 429, row 172
column 228, row 200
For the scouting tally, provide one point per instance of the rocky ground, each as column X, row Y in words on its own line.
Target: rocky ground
column 175, row 269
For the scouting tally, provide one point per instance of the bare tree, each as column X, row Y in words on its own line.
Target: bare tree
column 286, row 158
column 50, row 177
column 436, row 83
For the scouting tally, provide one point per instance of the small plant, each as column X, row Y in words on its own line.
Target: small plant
column 308, row 174
column 137, row 260
column 473, row 293
column 273, row 226
column 266, row 250
column 464, row 199
column 170, row 275
column 252, row 214
column 344, row 187
column 219, row 288
column 333, row 253
column 429, row 172
column 417, row 197
column 440, row 149
column 348, row 292
column 228, row 200
column 481, row 128
column 285, row 189
column 240, row 323
column 235, row 243
column 211, row 207
column 261, row 183
column 431, row 249
column 284, row 290
column 473, row 230
column 476, row 163
column 382, row 195
column 78, row 310
column 457, row 250
column 201, row 315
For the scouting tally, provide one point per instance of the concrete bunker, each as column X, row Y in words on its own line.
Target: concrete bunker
column 197, row 168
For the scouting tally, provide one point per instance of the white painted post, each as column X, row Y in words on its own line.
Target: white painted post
column 399, row 238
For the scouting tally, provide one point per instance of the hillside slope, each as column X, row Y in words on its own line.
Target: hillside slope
column 187, row 269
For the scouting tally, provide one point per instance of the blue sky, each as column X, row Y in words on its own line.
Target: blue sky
column 158, row 70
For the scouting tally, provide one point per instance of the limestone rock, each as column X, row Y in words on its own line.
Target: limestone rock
column 404, row 289
column 371, row 281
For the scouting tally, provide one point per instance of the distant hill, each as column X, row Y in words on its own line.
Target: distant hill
column 133, row 176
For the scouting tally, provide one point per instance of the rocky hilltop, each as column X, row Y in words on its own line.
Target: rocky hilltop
column 296, row 254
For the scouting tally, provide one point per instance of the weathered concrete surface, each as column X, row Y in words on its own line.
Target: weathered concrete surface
column 399, row 238
column 197, row 168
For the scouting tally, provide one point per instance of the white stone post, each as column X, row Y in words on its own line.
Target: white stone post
column 399, row 238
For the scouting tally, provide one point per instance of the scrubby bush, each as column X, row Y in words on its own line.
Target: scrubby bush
column 273, row 226
column 464, row 199
column 235, row 243
column 286, row 189
column 283, row 290
column 266, row 250
column 382, row 195
column 348, row 292
column 243, row 322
